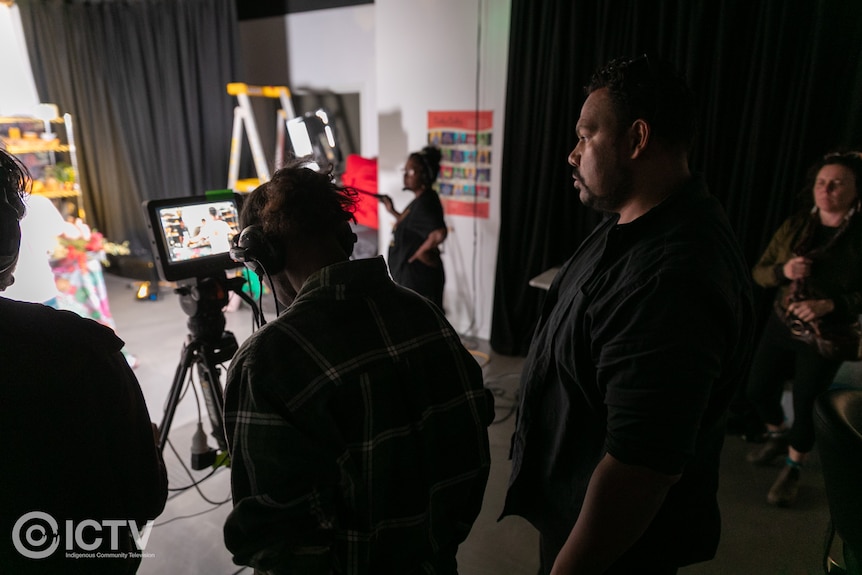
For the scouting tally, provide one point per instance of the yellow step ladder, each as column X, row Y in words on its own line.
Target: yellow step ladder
column 243, row 119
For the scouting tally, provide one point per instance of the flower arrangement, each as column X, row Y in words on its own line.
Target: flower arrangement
column 113, row 249
column 77, row 249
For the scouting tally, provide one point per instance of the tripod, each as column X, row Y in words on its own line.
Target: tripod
column 207, row 346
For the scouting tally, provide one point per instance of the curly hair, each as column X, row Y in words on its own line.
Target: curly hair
column 650, row 89
column 14, row 181
column 429, row 158
column 300, row 202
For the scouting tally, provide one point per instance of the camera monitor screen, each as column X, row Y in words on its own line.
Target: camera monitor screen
column 192, row 236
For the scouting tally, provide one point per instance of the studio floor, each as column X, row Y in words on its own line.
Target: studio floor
column 187, row 537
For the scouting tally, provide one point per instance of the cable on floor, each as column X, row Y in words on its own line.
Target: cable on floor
column 190, row 516
column 196, row 483
column 502, row 399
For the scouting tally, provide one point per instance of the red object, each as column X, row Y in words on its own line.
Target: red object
column 361, row 174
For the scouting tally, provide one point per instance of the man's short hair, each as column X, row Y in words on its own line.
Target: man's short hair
column 650, row 89
column 300, row 202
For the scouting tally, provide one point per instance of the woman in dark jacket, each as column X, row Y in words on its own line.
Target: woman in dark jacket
column 815, row 261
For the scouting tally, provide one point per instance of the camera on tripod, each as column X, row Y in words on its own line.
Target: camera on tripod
column 191, row 239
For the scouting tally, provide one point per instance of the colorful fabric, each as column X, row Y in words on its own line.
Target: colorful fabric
column 81, row 282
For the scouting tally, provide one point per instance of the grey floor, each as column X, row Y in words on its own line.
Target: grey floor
column 187, row 538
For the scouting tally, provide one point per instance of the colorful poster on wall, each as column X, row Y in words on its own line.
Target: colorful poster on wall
column 464, row 138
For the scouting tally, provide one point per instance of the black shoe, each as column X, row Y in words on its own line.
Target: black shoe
column 776, row 444
column 784, row 491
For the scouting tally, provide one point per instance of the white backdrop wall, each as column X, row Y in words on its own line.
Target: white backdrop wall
column 17, row 89
column 334, row 50
column 405, row 58
column 430, row 54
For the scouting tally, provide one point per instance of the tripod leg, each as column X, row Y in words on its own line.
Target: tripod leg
column 210, row 381
column 186, row 360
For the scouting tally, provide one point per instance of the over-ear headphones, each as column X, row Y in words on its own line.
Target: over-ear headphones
column 346, row 238
column 10, row 235
column 252, row 248
column 427, row 172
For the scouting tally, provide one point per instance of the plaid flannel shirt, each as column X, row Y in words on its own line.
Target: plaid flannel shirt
column 357, row 425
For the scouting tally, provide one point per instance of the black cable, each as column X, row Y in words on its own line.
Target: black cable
column 260, row 298
column 274, row 298
column 257, row 319
column 190, row 516
column 181, row 490
column 501, row 396
column 196, row 483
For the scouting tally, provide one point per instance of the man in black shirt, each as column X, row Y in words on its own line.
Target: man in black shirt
column 82, row 478
column 644, row 335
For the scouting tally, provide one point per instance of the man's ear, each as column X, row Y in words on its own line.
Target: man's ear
column 639, row 137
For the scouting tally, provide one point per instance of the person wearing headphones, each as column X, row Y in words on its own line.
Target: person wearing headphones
column 80, row 449
column 414, row 254
column 356, row 421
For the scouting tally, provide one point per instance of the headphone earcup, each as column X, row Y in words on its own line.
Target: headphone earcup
column 346, row 238
column 252, row 248
column 10, row 236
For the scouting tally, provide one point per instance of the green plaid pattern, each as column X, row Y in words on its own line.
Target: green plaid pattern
column 357, row 425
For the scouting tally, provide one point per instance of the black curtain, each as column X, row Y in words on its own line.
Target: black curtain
column 145, row 83
column 779, row 83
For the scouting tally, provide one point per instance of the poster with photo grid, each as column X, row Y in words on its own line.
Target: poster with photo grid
column 464, row 139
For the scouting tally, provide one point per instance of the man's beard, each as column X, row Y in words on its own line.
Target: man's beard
column 611, row 201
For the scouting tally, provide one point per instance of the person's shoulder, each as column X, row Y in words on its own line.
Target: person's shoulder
column 795, row 222
column 697, row 240
column 274, row 343
column 434, row 199
column 425, row 316
column 855, row 226
column 699, row 222
column 32, row 322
